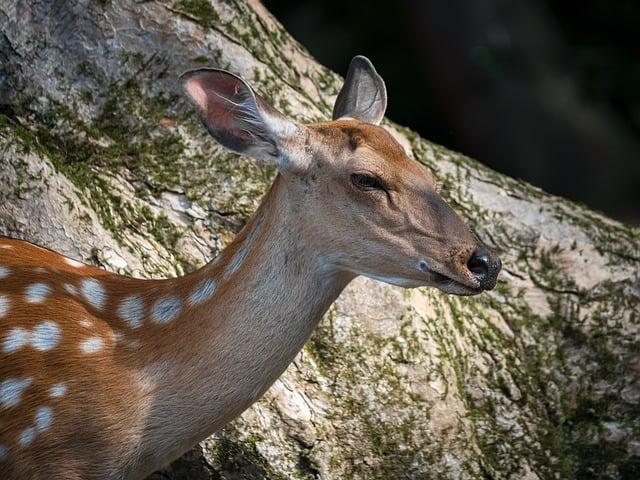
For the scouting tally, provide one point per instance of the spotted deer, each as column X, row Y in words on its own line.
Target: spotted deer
column 104, row 376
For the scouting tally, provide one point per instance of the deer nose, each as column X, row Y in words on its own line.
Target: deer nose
column 485, row 268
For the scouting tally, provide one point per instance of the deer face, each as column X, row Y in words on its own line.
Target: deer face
column 365, row 205
column 385, row 217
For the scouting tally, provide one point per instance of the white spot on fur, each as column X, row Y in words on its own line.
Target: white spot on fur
column 4, row 272
column 16, row 339
column 236, row 261
column 4, row 305
column 152, row 375
column 166, row 309
column 71, row 289
column 243, row 251
column 86, row 323
column 94, row 293
column 27, row 436
column 91, row 345
column 45, row 336
column 39, row 270
column 37, row 292
column 4, row 452
column 117, row 336
column 131, row 310
column 203, row 292
column 73, row 263
column 135, row 344
column 44, row 417
column 11, row 391
column 58, row 390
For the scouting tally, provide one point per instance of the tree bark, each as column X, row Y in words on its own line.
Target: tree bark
column 102, row 159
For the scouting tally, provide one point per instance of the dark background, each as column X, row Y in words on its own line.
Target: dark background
column 541, row 90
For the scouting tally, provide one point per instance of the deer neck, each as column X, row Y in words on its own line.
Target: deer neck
column 272, row 286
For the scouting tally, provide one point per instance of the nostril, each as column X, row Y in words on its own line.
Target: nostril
column 479, row 264
column 485, row 267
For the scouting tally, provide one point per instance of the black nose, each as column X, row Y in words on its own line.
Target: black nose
column 485, row 268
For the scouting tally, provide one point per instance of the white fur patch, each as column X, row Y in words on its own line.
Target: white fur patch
column 44, row 417
column 11, row 391
column 131, row 310
column 4, row 305
column 4, row 452
column 152, row 375
column 71, row 289
column 27, row 436
column 94, row 293
column 117, row 336
column 73, row 263
column 4, row 272
column 91, row 345
column 85, row 322
column 236, row 261
column 166, row 309
column 203, row 292
column 58, row 390
column 45, row 336
column 398, row 281
column 37, row 292
column 243, row 251
column 16, row 339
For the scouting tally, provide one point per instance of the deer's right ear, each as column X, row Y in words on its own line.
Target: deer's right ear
column 239, row 119
column 363, row 95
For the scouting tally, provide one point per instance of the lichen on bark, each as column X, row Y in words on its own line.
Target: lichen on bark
column 101, row 158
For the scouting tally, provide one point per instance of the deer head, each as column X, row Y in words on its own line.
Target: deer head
column 365, row 205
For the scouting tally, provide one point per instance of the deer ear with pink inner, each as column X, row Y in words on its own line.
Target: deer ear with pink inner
column 364, row 95
column 240, row 120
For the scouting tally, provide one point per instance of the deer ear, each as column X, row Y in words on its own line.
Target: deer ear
column 363, row 95
column 239, row 119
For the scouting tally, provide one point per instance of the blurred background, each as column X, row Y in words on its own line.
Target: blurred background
column 545, row 91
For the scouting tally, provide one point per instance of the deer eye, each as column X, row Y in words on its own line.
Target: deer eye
column 367, row 182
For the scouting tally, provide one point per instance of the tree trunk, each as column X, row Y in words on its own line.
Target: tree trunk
column 102, row 159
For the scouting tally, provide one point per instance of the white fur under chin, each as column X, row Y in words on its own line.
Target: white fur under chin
column 397, row 281
column 452, row 287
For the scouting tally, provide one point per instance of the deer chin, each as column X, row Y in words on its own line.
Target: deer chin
column 397, row 281
column 456, row 288
column 434, row 279
column 447, row 284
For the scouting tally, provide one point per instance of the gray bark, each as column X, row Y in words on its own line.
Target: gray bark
column 102, row 159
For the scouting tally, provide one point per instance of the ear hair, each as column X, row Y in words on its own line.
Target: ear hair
column 237, row 117
column 364, row 94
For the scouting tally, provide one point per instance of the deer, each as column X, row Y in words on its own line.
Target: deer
column 105, row 376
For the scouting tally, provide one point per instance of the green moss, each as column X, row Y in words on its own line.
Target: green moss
column 367, row 377
column 201, row 59
column 201, row 11
column 239, row 457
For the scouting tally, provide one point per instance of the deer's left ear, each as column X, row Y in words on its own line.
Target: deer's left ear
column 240, row 120
column 363, row 95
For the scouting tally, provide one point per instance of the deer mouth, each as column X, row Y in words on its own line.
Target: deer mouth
column 450, row 285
